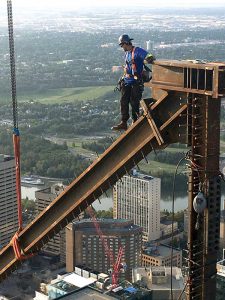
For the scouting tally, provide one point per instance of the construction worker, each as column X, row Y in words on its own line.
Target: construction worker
column 131, row 83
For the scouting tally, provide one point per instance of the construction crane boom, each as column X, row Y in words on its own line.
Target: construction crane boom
column 117, row 267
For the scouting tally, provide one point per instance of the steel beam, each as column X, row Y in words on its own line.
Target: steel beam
column 129, row 149
column 204, row 85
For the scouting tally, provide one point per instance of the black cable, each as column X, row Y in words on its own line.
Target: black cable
column 172, row 237
column 186, row 157
column 183, row 290
column 12, row 65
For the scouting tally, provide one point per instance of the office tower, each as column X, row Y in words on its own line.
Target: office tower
column 8, row 199
column 137, row 197
column 84, row 246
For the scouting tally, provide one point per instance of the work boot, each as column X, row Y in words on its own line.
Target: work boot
column 121, row 126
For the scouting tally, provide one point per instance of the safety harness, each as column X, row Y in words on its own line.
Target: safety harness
column 144, row 76
column 133, row 64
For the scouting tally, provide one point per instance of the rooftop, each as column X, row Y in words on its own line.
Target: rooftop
column 220, row 267
column 4, row 158
column 135, row 173
column 72, row 286
column 177, row 278
column 159, row 250
column 87, row 294
column 117, row 225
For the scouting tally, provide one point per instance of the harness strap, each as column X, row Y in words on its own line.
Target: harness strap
column 134, row 68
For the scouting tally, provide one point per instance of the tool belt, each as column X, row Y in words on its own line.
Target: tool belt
column 121, row 83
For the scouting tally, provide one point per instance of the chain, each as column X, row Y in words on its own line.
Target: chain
column 12, row 64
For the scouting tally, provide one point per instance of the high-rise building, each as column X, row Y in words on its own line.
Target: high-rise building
column 137, row 197
column 56, row 245
column 8, row 199
column 150, row 45
column 84, row 246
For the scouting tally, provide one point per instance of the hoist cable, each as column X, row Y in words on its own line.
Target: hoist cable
column 16, row 134
column 12, row 64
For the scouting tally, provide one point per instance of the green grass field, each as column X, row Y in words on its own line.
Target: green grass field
column 222, row 146
column 53, row 96
column 154, row 166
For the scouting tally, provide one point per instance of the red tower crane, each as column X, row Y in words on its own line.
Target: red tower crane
column 116, row 266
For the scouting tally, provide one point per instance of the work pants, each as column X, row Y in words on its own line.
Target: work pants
column 130, row 94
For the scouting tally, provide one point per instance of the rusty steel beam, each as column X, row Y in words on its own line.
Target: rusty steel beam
column 189, row 77
column 204, row 85
column 204, row 240
column 129, row 149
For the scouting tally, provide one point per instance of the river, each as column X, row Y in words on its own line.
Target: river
column 106, row 202
column 181, row 202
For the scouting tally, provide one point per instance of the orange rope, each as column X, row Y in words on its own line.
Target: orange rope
column 19, row 253
column 16, row 143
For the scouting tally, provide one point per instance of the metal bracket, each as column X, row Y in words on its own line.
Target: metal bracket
column 152, row 122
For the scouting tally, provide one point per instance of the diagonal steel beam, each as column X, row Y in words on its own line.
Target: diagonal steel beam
column 129, row 149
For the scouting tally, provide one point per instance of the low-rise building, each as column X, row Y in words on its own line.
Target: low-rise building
column 222, row 229
column 73, row 286
column 158, row 280
column 220, row 280
column 160, row 255
column 166, row 227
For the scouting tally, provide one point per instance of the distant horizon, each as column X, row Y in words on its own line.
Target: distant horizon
column 25, row 8
column 72, row 5
column 123, row 9
column 118, row 3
